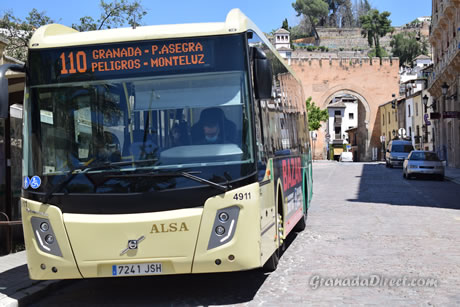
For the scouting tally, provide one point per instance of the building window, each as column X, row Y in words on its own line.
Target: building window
column 351, row 116
column 383, row 119
column 416, row 109
column 389, row 119
column 408, row 111
column 337, row 112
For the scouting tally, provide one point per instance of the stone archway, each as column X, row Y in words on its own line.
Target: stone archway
column 370, row 80
column 364, row 116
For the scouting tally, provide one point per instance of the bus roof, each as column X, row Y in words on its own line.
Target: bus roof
column 56, row 35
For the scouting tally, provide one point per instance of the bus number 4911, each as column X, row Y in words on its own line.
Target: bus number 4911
column 242, row 196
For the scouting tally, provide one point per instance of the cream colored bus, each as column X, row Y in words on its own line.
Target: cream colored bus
column 160, row 150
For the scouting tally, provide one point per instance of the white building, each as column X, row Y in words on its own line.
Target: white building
column 283, row 43
column 343, row 115
column 416, row 71
column 412, row 83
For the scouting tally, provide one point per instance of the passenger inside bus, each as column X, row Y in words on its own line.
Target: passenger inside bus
column 213, row 128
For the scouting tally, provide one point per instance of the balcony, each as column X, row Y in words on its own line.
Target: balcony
column 452, row 54
column 446, row 8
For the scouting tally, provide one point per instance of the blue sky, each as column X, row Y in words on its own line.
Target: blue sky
column 267, row 14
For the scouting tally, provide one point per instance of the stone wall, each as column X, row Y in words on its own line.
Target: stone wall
column 351, row 38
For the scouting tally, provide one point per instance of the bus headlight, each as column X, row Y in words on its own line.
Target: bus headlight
column 49, row 239
column 220, row 230
column 44, row 235
column 44, row 226
column 224, row 226
column 223, row 217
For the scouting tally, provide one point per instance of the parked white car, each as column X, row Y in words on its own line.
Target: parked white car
column 420, row 162
column 346, row 157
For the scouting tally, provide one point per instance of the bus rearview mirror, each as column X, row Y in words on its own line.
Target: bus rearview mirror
column 262, row 75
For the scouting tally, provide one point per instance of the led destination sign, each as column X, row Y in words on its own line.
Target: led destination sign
column 136, row 59
column 144, row 57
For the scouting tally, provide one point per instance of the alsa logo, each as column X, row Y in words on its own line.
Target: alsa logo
column 171, row 227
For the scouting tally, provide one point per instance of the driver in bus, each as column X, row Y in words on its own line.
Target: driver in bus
column 213, row 128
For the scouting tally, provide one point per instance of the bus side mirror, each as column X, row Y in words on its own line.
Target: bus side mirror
column 262, row 74
column 4, row 98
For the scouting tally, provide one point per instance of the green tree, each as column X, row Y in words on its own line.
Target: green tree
column 334, row 8
column 285, row 25
column 114, row 14
column 346, row 15
column 315, row 115
column 315, row 10
column 406, row 47
column 375, row 25
column 360, row 8
column 18, row 31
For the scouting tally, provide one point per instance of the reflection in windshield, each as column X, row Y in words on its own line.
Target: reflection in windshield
column 424, row 156
column 402, row 148
column 146, row 123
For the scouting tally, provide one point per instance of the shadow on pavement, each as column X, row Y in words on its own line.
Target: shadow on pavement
column 200, row 289
column 379, row 184
column 12, row 281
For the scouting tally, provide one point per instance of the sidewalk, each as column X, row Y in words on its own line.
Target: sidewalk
column 452, row 174
column 16, row 288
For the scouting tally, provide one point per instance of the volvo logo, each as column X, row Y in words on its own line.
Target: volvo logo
column 132, row 244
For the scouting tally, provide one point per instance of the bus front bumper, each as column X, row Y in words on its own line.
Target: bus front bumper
column 171, row 242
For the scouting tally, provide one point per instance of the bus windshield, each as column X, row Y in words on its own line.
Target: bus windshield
column 110, row 133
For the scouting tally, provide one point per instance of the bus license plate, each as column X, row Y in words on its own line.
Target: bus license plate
column 136, row 269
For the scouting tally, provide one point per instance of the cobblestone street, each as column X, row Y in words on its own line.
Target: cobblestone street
column 365, row 220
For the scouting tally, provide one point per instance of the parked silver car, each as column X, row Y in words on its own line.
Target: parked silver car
column 420, row 162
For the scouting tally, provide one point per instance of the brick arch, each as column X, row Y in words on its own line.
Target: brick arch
column 370, row 80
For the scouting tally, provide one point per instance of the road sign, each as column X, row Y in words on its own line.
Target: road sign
column 427, row 122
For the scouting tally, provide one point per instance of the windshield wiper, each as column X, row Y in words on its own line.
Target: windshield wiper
column 75, row 171
column 188, row 175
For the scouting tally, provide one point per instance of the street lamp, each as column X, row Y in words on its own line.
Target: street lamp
column 425, row 103
column 425, row 100
column 444, row 88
